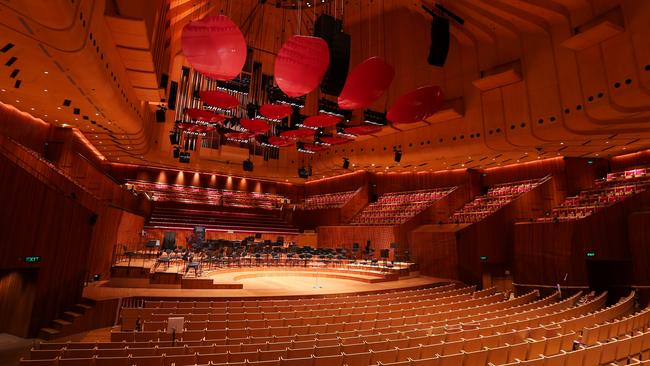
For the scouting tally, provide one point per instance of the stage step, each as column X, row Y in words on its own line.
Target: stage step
column 70, row 315
column 48, row 333
column 60, row 324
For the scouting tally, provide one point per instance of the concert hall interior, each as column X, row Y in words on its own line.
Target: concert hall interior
column 324, row 182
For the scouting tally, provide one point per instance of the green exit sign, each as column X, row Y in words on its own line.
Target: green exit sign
column 483, row 258
column 32, row 259
column 591, row 254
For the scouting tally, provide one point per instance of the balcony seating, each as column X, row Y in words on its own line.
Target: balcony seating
column 248, row 221
column 162, row 192
column 497, row 196
column 398, row 207
column 614, row 188
column 329, row 200
column 521, row 331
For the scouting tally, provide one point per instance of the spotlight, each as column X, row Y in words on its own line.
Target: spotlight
column 248, row 165
column 346, row 163
column 184, row 157
column 303, row 172
column 398, row 155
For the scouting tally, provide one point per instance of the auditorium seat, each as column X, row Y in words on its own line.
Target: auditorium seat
column 614, row 188
column 497, row 196
column 398, row 207
column 328, row 200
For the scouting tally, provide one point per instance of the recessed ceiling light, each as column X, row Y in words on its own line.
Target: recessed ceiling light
column 17, row 101
column 32, row 108
column 45, row 90
column 4, row 90
column 46, row 72
column 58, row 107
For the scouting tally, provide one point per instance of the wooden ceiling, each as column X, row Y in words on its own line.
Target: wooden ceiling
column 524, row 79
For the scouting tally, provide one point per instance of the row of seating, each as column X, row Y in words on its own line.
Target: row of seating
column 163, row 192
column 398, row 207
column 496, row 197
column 614, row 188
column 328, row 200
column 188, row 218
column 468, row 351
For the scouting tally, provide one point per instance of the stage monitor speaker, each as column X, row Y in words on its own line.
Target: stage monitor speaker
column 171, row 101
column 439, row 41
column 160, row 116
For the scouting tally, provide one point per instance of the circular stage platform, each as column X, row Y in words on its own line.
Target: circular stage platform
column 247, row 282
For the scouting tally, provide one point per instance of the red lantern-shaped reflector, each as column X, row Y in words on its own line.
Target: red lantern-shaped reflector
column 218, row 99
column 275, row 111
column 416, row 105
column 301, row 64
column 363, row 130
column 321, row 121
column 215, row 47
column 300, row 133
column 255, row 125
column 203, row 115
column 280, row 142
column 366, row 83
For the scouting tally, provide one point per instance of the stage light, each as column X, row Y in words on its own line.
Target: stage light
column 248, row 165
column 346, row 163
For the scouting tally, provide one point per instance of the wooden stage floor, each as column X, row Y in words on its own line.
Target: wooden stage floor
column 281, row 284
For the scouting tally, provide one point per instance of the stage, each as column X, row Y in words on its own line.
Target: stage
column 270, row 283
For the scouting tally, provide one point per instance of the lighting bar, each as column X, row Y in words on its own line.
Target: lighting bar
column 277, row 96
column 374, row 118
column 238, row 85
column 332, row 108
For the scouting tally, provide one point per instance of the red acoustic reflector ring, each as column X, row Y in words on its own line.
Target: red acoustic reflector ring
column 366, row 83
column 315, row 147
column 215, row 47
column 238, row 135
column 280, row 142
column 300, row 133
column 255, row 125
column 275, row 111
column 416, row 105
column 321, row 120
column 301, row 64
column 335, row 140
column 218, row 99
column 363, row 130
column 203, row 115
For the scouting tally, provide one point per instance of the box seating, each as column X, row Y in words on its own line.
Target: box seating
column 188, row 217
column 613, row 188
column 497, row 196
column 398, row 207
column 543, row 334
column 329, row 200
column 162, row 192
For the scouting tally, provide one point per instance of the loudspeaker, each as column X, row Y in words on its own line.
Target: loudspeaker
column 346, row 163
column 177, row 152
column 93, row 219
column 160, row 116
column 174, row 137
column 330, row 29
column 398, row 156
column 439, row 41
column 164, row 79
column 248, row 165
column 171, row 101
column 184, row 157
column 337, row 72
column 303, row 172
